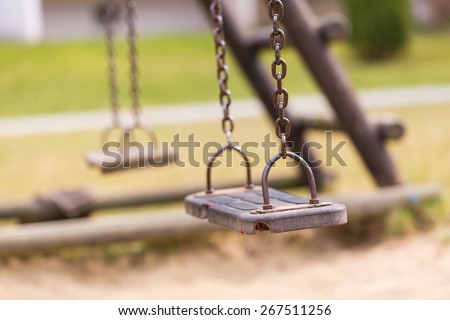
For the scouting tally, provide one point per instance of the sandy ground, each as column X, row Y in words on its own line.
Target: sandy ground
column 228, row 266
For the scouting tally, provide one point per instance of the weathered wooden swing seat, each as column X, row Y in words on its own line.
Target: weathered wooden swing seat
column 258, row 208
column 135, row 158
column 240, row 209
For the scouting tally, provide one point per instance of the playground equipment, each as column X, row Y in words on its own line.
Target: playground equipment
column 310, row 37
column 152, row 154
column 259, row 205
column 250, row 208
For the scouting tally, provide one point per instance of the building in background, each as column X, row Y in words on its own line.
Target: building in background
column 36, row 20
column 21, row 20
column 431, row 13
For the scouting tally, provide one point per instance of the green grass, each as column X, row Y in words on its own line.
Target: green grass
column 41, row 163
column 71, row 76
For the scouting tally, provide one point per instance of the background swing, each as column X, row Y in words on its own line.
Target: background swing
column 150, row 155
column 253, row 208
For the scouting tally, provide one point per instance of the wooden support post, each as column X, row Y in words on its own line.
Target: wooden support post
column 299, row 21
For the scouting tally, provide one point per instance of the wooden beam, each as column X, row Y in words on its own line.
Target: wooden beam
column 97, row 230
column 334, row 26
column 329, row 28
column 35, row 211
column 118, row 228
column 386, row 127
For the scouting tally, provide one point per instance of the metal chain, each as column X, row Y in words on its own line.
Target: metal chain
column 107, row 16
column 279, row 70
column 133, row 57
column 222, row 67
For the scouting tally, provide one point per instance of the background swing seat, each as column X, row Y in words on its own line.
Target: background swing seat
column 136, row 159
column 133, row 157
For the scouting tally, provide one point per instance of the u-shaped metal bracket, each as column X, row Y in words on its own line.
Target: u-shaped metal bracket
column 306, row 169
column 230, row 146
column 104, row 136
column 146, row 129
column 128, row 130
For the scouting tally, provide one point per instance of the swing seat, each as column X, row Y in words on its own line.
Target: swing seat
column 134, row 159
column 131, row 156
column 257, row 208
column 241, row 210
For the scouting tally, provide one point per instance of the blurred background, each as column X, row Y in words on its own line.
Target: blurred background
column 54, row 102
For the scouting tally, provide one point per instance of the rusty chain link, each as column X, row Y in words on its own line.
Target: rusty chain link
column 222, row 67
column 108, row 14
column 279, row 71
column 133, row 57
